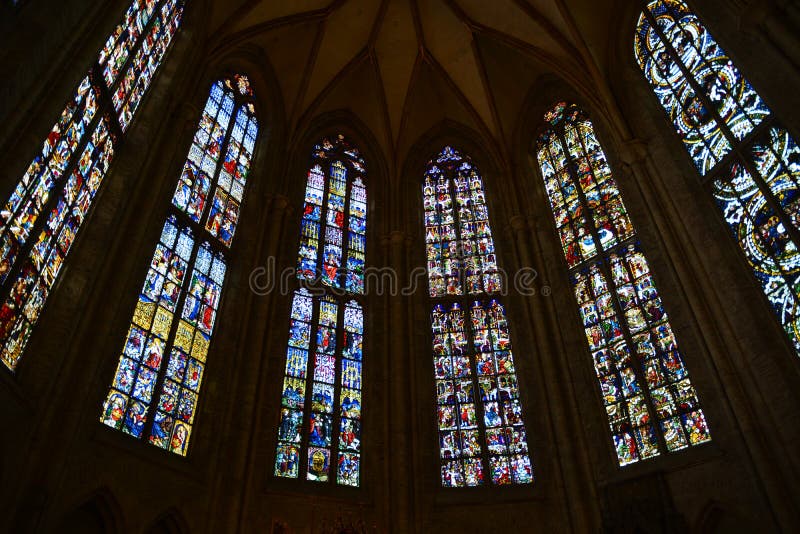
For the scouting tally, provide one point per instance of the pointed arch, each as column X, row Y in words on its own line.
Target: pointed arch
column 47, row 208
column 169, row 522
column 99, row 513
column 156, row 387
column 651, row 405
column 322, row 387
column 482, row 434
column 747, row 161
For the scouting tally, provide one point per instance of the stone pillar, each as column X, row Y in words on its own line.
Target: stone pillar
column 569, row 456
column 239, row 482
column 400, row 460
column 238, row 475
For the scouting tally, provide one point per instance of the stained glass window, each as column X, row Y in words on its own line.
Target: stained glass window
column 155, row 389
column 482, row 437
column 651, row 405
column 63, row 179
column 319, row 433
column 746, row 159
column 333, row 230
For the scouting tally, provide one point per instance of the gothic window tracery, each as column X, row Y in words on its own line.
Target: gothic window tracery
column 319, row 433
column 156, row 387
column 482, row 435
column 745, row 158
column 651, row 404
column 49, row 204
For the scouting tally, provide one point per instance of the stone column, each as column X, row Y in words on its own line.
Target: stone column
column 239, row 475
column 570, row 459
column 401, row 510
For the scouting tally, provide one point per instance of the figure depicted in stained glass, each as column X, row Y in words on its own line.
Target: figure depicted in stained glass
column 482, row 435
column 174, row 319
column 650, row 402
column 335, row 213
column 326, row 332
column 63, row 179
column 716, row 111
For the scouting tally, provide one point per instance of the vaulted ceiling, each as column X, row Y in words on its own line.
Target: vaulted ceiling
column 403, row 66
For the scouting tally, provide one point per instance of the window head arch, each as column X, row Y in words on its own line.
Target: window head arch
column 224, row 141
column 711, row 105
column 650, row 402
column 458, row 236
column 744, row 157
column 333, row 231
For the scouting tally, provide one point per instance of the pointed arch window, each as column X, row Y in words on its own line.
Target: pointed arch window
column 749, row 163
column 320, row 420
column 156, row 387
column 651, row 405
column 482, row 434
column 49, row 204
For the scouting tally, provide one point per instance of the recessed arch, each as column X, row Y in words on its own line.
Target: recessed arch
column 100, row 513
column 651, row 404
column 323, row 384
column 170, row 521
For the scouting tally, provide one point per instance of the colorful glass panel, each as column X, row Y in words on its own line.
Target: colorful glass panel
column 482, row 437
column 224, row 213
column 74, row 159
column 160, row 371
column 30, row 288
column 333, row 228
column 592, row 197
column 644, row 385
column 131, row 392
column 460, row 248
column 760, row 233
column 32, row 193
column 679, row 47
column 757, row 188
column 119, row 44
column 324, row 353
column 349, row 460
column 325, row 332
column 203, row 159
column 133, row 86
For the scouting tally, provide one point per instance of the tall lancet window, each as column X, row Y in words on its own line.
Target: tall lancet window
column 482, row 436
column 49, row 204
column 748, row 162
column 155, row 389
column 319, row 434
column 651, row 405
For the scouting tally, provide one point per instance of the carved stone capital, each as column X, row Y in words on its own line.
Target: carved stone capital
column 397, row 237
column 633, row 151
column 280, row 202
column 519, row 223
